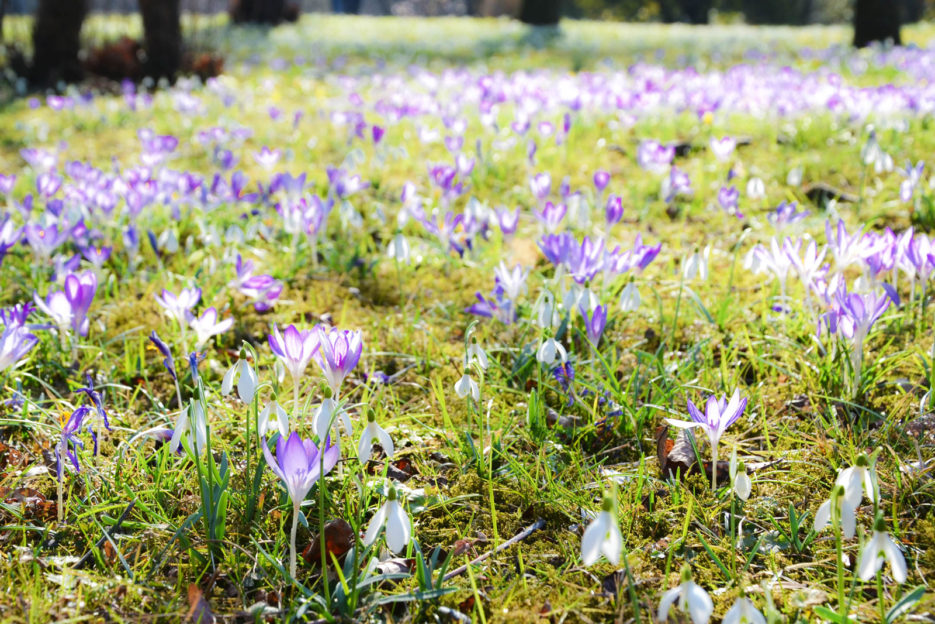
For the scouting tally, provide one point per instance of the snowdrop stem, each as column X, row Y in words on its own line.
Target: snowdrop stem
column 295, row 526
column 880, row 596
column 839, row 552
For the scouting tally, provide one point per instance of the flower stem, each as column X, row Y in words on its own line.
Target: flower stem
column 295, row 525
column 714, row 467
column 880, row 596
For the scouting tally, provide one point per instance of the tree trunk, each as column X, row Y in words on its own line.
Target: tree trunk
column 541, row 12
column 696, row 11
column 56, row 39
column 258, row 11
column 876, row 20
column 162, row 35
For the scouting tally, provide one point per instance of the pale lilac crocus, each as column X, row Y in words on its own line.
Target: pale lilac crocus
column 728, row 197
column 723, row 148
column 207, row 326
column 913, row 176
column 295, row 349
column 508, row 221
column 69, row 307
column 512, row 281
column 551, row 215
column 338, row 354
column 299, row 464
column 179, row 307
column 267, row 158
column 15, row 342
column 720, row 413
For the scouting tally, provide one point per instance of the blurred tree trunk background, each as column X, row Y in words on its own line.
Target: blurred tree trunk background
column 162, row 28
column 877, row 20
column 56, row 40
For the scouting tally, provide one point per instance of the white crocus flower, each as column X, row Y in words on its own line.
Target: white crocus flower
column 630, row 298
column 192, row 416
column 246, row 384
column 273, row 417
column 692, row 599
column 743, row 612
column 846, row 513
column 372, row 432
column 397, row 522
column 466, row 386
column 602, row 537
column 548, row 350
column 881, row 548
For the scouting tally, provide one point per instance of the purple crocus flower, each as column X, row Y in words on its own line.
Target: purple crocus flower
column 551, row 215
column 16, row 315
column 168, row 360
column 601, row 180
column 9, row 236
column 97, row 256
column 48, row 184
column 98, row 402
column 719, row 415
column 654, row 156
column 44, row 240
column 179, row 307
column 613, row 211
column 541, row 185
column 338, row 354
column 676, row 184
column 376, row 133
column 7, row 182
column 300, row 464
column 69, row 307
column 295, row 348
column 508, row 220
column 728, row 197
column 594, row 324
column 15, row 342
column 786, row 213
column 69, row 441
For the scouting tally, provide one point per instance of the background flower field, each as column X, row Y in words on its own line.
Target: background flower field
column 692, row 212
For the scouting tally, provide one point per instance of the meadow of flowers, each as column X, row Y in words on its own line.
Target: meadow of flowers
column 446, row 321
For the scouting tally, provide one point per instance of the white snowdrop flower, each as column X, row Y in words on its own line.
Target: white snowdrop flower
column 738, row 476
column 881, row 548
column 545, row 310
column 467, row 386
column 756, row 189
column 475, row 353
column 696, row 265
column 273, row 418
column 692, row 599
column 630, row 298
column 743, row 612
column 192, row 416
column 602, row 537
column 326, row 414
column 397, row 523
column 246, row 384
column 846, row 513
column 548, row 350
column 398, row 249
column 858, row 480
column 372, row 432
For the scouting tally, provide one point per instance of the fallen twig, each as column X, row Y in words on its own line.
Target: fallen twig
column 87, row 556
column 535, row 526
